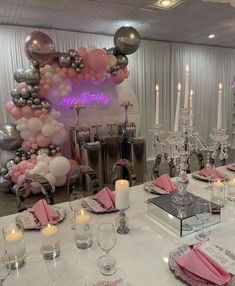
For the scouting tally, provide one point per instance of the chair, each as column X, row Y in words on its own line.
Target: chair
column 23, row 198
column 159, row 160
column 123, row 169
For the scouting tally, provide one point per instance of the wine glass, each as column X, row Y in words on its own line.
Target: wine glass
column 5, row 266
column 209, row 172
column 203, row 213
column 106, row 239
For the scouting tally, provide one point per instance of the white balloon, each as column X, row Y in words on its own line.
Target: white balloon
column 48, row 130
column 43, row 167
column 42, row 158
column 26, row 134
column 59, row 138
column 59, row 166
column 35, row 124
column 60, row 181
column 51, row 178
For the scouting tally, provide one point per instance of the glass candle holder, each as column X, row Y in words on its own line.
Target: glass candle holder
column 231, row 190
column 218, row 193
column 14, row 245
column 50, row 242
column 83, row 229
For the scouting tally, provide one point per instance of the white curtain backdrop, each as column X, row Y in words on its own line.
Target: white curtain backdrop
column 154, row 63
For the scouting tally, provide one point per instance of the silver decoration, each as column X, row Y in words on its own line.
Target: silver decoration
column 122, row 61
column 5, row 185
column 64, row 60
column 19, row 75
column 32, row 76
column 15, row 93
column 9, row 164
column 72, row 53
column 3, row 171
column 9, row 137
column 24, row 93
column 21, row 102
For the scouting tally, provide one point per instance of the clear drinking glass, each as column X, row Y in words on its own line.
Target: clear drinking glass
column 106, row 239
column 5, row 266
column 203, row 213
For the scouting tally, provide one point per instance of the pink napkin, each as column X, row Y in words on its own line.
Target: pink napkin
column 214, row 173
column 164, row 182
column 44, row 212
column 107, row 198
column 202, row 265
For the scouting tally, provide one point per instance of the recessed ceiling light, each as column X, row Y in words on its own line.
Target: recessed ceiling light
column 211, row 36
column 166, row 3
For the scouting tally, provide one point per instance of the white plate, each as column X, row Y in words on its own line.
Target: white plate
column 202, row 178
column 97, row 208
column 149, row 187
column 231, row 167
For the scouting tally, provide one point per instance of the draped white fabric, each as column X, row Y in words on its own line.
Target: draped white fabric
column 154, row 62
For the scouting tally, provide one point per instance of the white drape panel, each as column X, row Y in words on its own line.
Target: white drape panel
column 154, row 62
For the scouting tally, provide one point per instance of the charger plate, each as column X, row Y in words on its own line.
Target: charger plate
column 92, row 205
column 202, row 178
column 231, row 167
column 193, row 279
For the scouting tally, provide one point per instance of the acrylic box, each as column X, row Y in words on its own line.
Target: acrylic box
column 179, row 219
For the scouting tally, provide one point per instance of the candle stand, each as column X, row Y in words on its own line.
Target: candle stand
column 122, row 223
column 179, row 146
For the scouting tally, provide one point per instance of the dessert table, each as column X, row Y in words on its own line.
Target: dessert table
column 142, row 254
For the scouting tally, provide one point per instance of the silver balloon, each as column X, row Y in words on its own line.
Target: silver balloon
column 36, row 87
column 3, row 171
column 64, row 60
column 126, row 40
column 29, row 102
column 9, row 137
column 9, row 164
column 32, row 76
column 30, row 89
column 5, row 185
column 20, row 102
column 72, row 53
column 19, row 75
column 36, row 101
column 34, row 95
column 14, row 188
column 15, row 93
column 115, row 69
column 43, row 151
column 7, row 177
column 122, row 61
column 17, row 160
column 24, row 93
column 45, row 104
column 112, row 51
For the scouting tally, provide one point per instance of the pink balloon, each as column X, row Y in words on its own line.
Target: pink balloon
column 25, row 146
column 97, row 60
column 42, row 140
column 27, row 112
column 14, row 168
column 21, row 85
column 82, row 52
column 30, row 166
column 16, row 113
column 9, row 106
column 39, row 48
column 20, row 179
column 119, row 77
column 23, row 166
column 34, row 146
column 16, row 174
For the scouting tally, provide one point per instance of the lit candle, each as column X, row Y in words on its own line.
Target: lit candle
column 177, row 111
column 82, row 217
column 218, row 185
column 191, row 107
column 122, row 194
column 219, row 118
column 157, row 106
column 49, row 230
column 186, row 95
column 14, row 236
column 232, row 183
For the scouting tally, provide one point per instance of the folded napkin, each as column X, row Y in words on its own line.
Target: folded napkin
column 215, row 175
column 202, row 265
column 107, row 198
column 164, row 182
column 44, row 212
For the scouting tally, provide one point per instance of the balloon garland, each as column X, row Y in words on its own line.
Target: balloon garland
column 53, row 74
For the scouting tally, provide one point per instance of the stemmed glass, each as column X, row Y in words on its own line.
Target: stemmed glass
column 5, row 267
column 209, row 173
column 106, row 239
column 203, row 213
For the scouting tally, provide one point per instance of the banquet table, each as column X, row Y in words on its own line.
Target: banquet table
column 142, row 254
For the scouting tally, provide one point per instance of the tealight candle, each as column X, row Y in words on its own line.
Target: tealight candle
column 82, row 217
column 218, row 184
column 14, row 245
column 122, row 194
column 50, row 247
column 231, row 190
column 218, row 193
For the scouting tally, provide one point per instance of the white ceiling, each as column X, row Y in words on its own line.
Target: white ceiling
column 190, row 22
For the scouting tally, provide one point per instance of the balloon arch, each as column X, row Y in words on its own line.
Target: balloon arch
column 54, row 75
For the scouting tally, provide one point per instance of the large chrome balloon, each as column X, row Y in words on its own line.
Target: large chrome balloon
column 122, row 61
column 9, row 137
column 5, row 185
column 32, row 76
column 39, row 48
column 19, row 75
column 126, row 40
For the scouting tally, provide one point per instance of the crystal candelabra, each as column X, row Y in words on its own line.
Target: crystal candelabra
column 179, row 146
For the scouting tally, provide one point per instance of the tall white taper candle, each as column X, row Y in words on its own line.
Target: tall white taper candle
column 191, row 107
column 177, row 111
column 157, row 106
column 186, row 92
column 219, row 118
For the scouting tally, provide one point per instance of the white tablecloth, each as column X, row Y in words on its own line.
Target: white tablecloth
column 141, row 254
